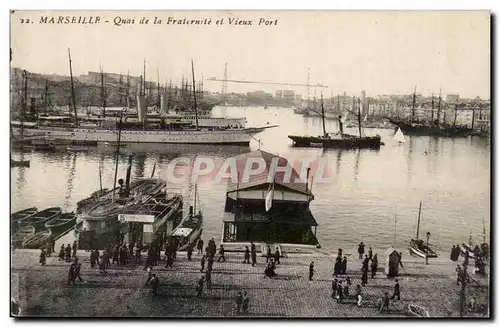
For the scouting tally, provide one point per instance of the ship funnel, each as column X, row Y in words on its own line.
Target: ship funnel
column 164, row 103
column 190, row 210
column 141, row 108
column 128, row 103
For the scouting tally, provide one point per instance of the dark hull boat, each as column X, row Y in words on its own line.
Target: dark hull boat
column 419, row 248
column 39, row 219
column 61, row 223
column 17, row 216
column 43, row 145
column 345, row 141
column 19, row 163
column 337, row 141
column 430, row 129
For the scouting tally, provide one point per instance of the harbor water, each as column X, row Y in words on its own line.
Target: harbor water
column 373, row 196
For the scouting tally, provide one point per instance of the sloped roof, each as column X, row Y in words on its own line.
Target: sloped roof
column 262, row 178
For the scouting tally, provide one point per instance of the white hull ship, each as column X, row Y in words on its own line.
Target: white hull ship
column 240, row 136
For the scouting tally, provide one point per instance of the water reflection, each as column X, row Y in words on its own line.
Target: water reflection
column 384, row 177
column 71, row 177
column 139, row 163
column 409, row 159
column 356, row 164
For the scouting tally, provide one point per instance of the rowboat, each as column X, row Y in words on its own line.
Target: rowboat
column 16, row 216
column 418, row 311
column 39, row 219
column 19, row 236
column 36, row 240
column 61, row 223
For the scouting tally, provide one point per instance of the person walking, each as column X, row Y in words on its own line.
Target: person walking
column 311, row 270
column 239, row 302
column 245, row 302
column 361, row 250
column 199, row 286
column 396, row 290
column 202, row 263
column 221, row 254
column 43, row 257
column 155, row 284
column 247, row 255
column 384, row 303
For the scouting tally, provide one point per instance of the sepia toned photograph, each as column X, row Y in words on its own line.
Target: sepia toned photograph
column 250, row 164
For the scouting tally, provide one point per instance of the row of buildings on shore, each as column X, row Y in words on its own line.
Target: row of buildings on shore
column 54, row 89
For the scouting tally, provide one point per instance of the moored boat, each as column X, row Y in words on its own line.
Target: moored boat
column 340, row 140
column 19, row 163
column 39, row 219
column 61, row 223
column 20, row 235
column 36, row 240
column 417, row 246
column 18, row 215
column 77, row 148
column 190, row 228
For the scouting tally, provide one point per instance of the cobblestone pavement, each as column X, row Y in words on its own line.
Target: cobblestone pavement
column 121, row 292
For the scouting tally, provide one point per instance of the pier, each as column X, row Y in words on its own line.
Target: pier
column 121, row 292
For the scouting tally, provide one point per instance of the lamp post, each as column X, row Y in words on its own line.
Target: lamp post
column 428, row 235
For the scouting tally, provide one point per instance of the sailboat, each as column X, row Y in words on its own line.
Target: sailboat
column 399, row 136
column 418, row 246
column 340, row 140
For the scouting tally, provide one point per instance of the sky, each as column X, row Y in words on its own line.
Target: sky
column 382, row 52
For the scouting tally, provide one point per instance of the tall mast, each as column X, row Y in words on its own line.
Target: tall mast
column 473, row 117
column 195, row 195
column 140, row 85
column 72, row 87
column 338, row 102
column 455, row 115
column 418, row 222
column 432, row 108
column 323, row 115
column 103, row 95
column 117, row 153
column 158, row 87
column 144, row 78
column 359, row 116
column 194, row 93
column 46, row 95
column 25, row 92
column 308, row 89
column 439, row 109
column 413, row 104
column 484, row 233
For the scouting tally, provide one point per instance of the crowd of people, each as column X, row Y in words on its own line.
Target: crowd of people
column 124, row 254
